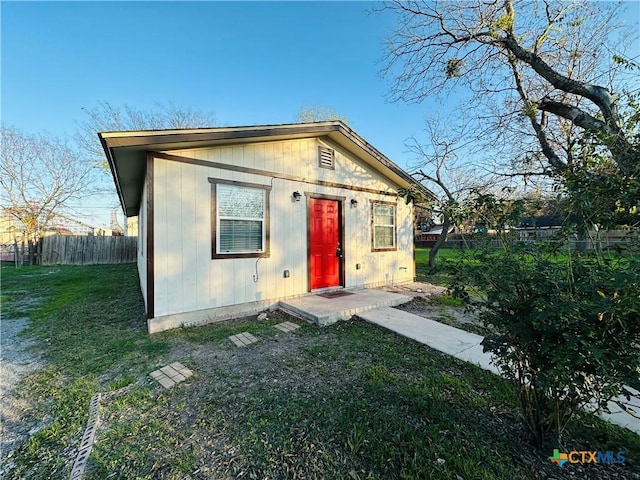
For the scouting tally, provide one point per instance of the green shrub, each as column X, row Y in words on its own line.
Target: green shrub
column 568, row 332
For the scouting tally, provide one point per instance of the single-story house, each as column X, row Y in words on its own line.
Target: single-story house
column 233, row 220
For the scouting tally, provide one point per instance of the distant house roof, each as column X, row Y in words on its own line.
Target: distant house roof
column 543, row 221
column 127, row 151
column 436, row 230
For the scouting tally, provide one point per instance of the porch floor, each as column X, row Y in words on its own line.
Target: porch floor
column 325, row 311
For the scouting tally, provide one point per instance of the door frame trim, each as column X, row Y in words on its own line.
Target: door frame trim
column 341, row 215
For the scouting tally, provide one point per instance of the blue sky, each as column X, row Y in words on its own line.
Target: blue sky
column 247, row 63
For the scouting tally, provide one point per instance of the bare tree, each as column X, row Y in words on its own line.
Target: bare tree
column 442, row 163
column 40, row 176
column 319, row 113
column 107, row 117
column 535, row 69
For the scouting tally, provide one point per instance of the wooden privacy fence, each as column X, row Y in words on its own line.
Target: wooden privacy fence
column 88, row 250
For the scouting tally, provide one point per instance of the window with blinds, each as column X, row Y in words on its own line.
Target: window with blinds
column 384, row 226
column 241, row 219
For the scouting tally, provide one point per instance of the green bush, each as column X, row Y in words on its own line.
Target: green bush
column 566, row 330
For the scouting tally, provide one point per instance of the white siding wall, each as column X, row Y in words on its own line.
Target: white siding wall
column 187, row 279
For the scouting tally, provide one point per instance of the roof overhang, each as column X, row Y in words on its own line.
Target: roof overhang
column 127, row 151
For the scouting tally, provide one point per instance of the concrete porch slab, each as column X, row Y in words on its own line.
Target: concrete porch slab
column 325, row 311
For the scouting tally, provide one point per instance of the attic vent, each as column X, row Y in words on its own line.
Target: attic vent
column 326, row 157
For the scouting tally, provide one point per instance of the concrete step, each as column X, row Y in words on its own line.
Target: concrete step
column 325, row 311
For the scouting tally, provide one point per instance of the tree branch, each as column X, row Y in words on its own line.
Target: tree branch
column 577, row 116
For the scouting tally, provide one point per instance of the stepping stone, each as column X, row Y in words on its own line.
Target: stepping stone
column 243, row 339
column 287, row 327
column 171, row 375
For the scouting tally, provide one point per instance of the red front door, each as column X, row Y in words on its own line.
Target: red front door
column 324, row 241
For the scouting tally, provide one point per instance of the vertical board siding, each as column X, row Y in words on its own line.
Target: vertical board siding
column 261, row 152
column 186, row 277
column 88, row 250
column 280, row 239
column 202, row 240
column 161, row 272
column 189, row 237
column 174, row 236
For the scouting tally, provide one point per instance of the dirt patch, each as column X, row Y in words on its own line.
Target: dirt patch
column 416, row 289
column 277, row 355
column 433, row 308
column 17, row 359
column 426, row 303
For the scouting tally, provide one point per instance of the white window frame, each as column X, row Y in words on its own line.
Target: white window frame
column 394, row 226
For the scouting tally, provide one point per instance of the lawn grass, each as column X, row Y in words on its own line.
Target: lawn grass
column 440, row 275
column 446, row 262
column 89, row 328
column 448, row 259
column 347, row 401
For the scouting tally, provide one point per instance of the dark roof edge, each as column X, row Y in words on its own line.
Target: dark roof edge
column 383, row 159
column 112, row 166
column 149, row 138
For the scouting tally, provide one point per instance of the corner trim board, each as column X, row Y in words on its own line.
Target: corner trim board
column 150, row 241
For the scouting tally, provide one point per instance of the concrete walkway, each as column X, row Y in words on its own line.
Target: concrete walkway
column 450, row 340
column 466, row 346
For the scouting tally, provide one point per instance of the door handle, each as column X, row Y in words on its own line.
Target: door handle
column 339, row 252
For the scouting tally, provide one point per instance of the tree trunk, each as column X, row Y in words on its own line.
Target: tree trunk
column 32, row 252
column 16, row 253
column 446, row 224
column 39, row 251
